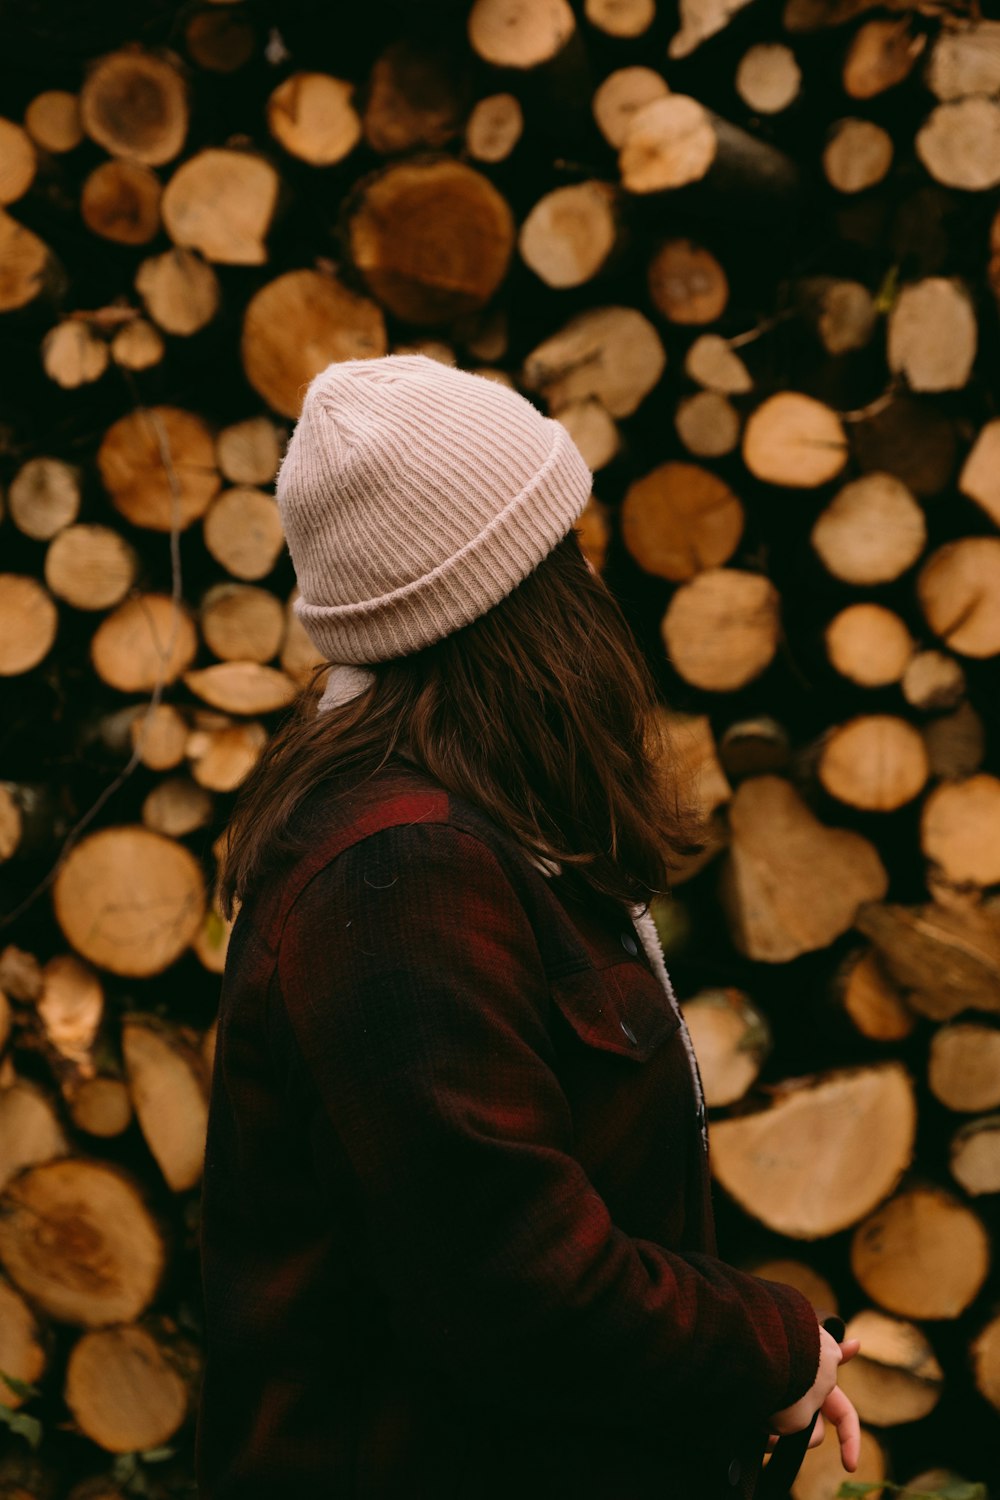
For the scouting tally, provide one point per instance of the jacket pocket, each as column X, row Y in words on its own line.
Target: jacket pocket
column 621, row 1009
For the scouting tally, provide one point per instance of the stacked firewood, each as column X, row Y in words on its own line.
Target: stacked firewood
column 749, row 254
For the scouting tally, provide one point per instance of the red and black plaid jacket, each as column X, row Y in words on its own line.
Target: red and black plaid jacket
column 457, row 1232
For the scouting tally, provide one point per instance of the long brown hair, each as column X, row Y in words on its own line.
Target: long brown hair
column 543, row 712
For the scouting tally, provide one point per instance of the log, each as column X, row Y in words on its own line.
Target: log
column 77, row 1239
column 964, row 60
column 679, row 520
column 145, row 641
column 90, row 567
column 803, row 1277
column 312, row 116
column 933, row 680
column 857, row 155
column 686, row 283
column 895, row 1377
column 44, row 497
column 959, row 144
column 870, row 1000
column 675, row 142
column 868, row 644
column 620, row 95
column 693, row 760
column 960, row 830
column 721, row 628
column 23, row 1354
column 298, row 324
column 768, row 78
column 158, row 467
column 129, row 900
column 29, row 621
column 699, row 20
column 134, row 103
column 959, row 592
column 980, row 476
column 882, row 54
column 956, row 743
column 494, row 127
column 732, row 1040
column 219, row 41
column 167, row 1085
column 707, row 424
column 120, row 201
column 432, row 239
column 100, row 1106
column 871, row 532
column 137, row 345
column 875, row 762
column 242, row 687
column 620, row 18
column 416, row 97
column 842, row 313
column 823, row 1153
column 222, row 758
column 18, row 161
column 822, row 1471
column 923, row 1254
column 593, row 431
column 52, row 119
column 28, row 269
column 249, row 452
column 127, row 1388
column 974, row 1156
column 963, row 1065
column 790, row 884
column 159, row 735
column 520, row 34
column 31, row 1130
column 947, row 959
column 241, row 623
column 222, row 203
column 569, row 235
column 177, row 806
column 242, row 531
column 612, row 354
column 794, row 441
column 933, row 335
column 985, row 1352
column 711, row 362
column 71, row 1010
column 73, row 354
column 20, row 974
column 179, row 291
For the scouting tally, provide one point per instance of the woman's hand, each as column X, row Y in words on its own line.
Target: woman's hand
column 825, row 1398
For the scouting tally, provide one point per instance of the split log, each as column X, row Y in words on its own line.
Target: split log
column 956, row 743
column 933, row 335
column 120, row 201
column 721, row 628
column 77, row 1239
column 18, row 161
column 569, row 235
column 90, row 567
column 686, row 283
column 620, row 95
column 963, row 1065
column 44, row 497
column 679, row 520
column 100, row 1106
column 842, row 313
column 593, row 431
column 881, row 55
column 768, row 78
column 946, row 959
column 754, row 747
column 23, row 1353
column 675, row 142
column 868, row 644
column 871, row 532
column 795, row 441
column 222, row 203
column 52, row 119
column 242, row 531
column 613, row 354
column 870, row 1000
column 28, row 268
column 219, row 41
column 494, row 127
column 129, row 900
column 732, row 1040
column 241, row 623
column 933, row 680
column 707, row 424
column 960, row 830
column 179, row 291
column 146, row 640
column 242, row 687
column 177, row 806
column 168, row 1089
column 790, row 884
column 415, row 97
column 31, row 1132
column 823, row 1153
column 29, row 621
column 298, row 324
column 974, row 1156
column 137, row 345
column 959, row 144
column 959, row 592
column 520, row 34
column 432, row 238
column 857, row 155
column 895, row 1377
column 73, row 354
column 249, row 452
column 158, row 467
column 714, row 364
column 134, row 103
column 313, row 117
column 128, row 1389
column 876, row 762
column 158, row 737
column 922, row 1255
column 620, row 18
column 980, row 476
column 222, row 758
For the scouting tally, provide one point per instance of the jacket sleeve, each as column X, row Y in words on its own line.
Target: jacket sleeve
column 416, row 993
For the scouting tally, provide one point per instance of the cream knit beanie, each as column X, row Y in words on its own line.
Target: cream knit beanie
column 414, row 497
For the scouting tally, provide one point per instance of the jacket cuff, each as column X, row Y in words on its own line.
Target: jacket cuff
column 802, row 1332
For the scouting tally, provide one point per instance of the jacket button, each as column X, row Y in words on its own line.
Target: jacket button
column 735, row 1470
column 629, row 1033
column 629, row 944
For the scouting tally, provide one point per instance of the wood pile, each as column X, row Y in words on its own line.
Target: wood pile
column 749, row 254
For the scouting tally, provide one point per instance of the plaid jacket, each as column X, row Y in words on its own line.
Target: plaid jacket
column 457, row 1237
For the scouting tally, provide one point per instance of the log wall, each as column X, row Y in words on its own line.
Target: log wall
column 749, row 253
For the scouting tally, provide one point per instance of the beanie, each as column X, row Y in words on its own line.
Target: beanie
column 414, row 497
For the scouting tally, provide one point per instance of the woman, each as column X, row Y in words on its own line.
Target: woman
column 457, row 1226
